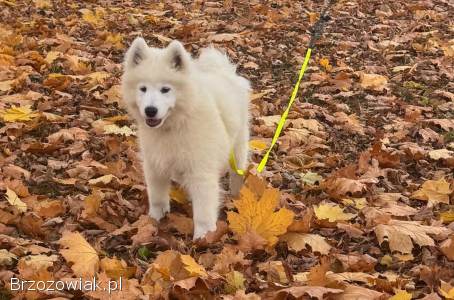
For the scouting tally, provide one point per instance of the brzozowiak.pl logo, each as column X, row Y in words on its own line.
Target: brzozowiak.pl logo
column 93, row 284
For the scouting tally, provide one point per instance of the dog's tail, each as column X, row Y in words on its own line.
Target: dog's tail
column 213, row 60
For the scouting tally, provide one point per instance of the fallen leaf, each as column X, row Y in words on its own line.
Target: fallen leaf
column 311, row 178
column 79, row 252
column 441, row 154
column 13, row 114
column 299, row 241
column 447, row 247
column 14, row 200
column 401, row 295
column 258, row 145
column 93, row 18
column 373, row 81
column 115, row 268
column 193, row 268
column 6, row 258
column 434, row 191
column 260, row 216
column 331, row 212
column 400, row 234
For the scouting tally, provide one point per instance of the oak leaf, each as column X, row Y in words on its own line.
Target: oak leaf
column 260, row 216
column 79, row 252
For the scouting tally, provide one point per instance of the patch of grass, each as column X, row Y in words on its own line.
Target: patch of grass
column 425, row 101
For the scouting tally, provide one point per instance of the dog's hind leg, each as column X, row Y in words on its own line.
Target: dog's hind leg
column 205, row 195
column 241, row 155
column 158, row 193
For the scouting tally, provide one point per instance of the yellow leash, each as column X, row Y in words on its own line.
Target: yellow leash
column 280, row 125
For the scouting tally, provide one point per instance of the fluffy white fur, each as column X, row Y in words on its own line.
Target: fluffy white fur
column 202, row 113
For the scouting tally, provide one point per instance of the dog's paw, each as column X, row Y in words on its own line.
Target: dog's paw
column 201, row 229
column 158, row 211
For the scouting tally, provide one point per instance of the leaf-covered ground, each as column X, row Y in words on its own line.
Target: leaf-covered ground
column 359, row 202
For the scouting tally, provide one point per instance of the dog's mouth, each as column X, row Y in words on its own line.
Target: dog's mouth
column 153, row 122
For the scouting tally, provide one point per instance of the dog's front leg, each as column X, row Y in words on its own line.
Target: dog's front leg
column 204, row 193
column 158, row 193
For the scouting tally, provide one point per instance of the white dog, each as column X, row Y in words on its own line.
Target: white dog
column 190, row 114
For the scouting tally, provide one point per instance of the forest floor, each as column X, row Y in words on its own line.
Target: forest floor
column 356, row 201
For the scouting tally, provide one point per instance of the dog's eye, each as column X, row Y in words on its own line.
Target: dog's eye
column 165, row 90
column 143, row 88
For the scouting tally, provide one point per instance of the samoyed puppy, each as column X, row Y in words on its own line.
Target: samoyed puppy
column 190, row 114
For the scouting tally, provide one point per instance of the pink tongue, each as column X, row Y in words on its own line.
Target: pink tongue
column 153, row 122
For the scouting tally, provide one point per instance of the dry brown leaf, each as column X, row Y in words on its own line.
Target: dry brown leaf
column 299, row 241
column 373, row 81
column 79, row 252
column 400, row 234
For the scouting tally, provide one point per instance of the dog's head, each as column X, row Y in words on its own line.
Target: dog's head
column 154, row 80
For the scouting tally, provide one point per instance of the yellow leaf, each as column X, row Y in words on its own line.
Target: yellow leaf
column 324, row 62
column 257, row 145
column 178, row 195
column 434, row 191
column 14, row 200
column 116, row 40
column 446, row 290
column 358, row 203
column 79, row 252
column 116, row 268
column 260, row 216
column 22, row 113
column 115, row 129
column 331, row 212
column 401, row 295
column 93, row 18
column 447, row 216
column 192, row 266
column 97, row 77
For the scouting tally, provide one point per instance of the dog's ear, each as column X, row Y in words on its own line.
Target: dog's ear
column 179, row 58
column 136, row 53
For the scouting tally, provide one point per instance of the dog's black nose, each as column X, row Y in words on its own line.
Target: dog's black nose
column 151, row 111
